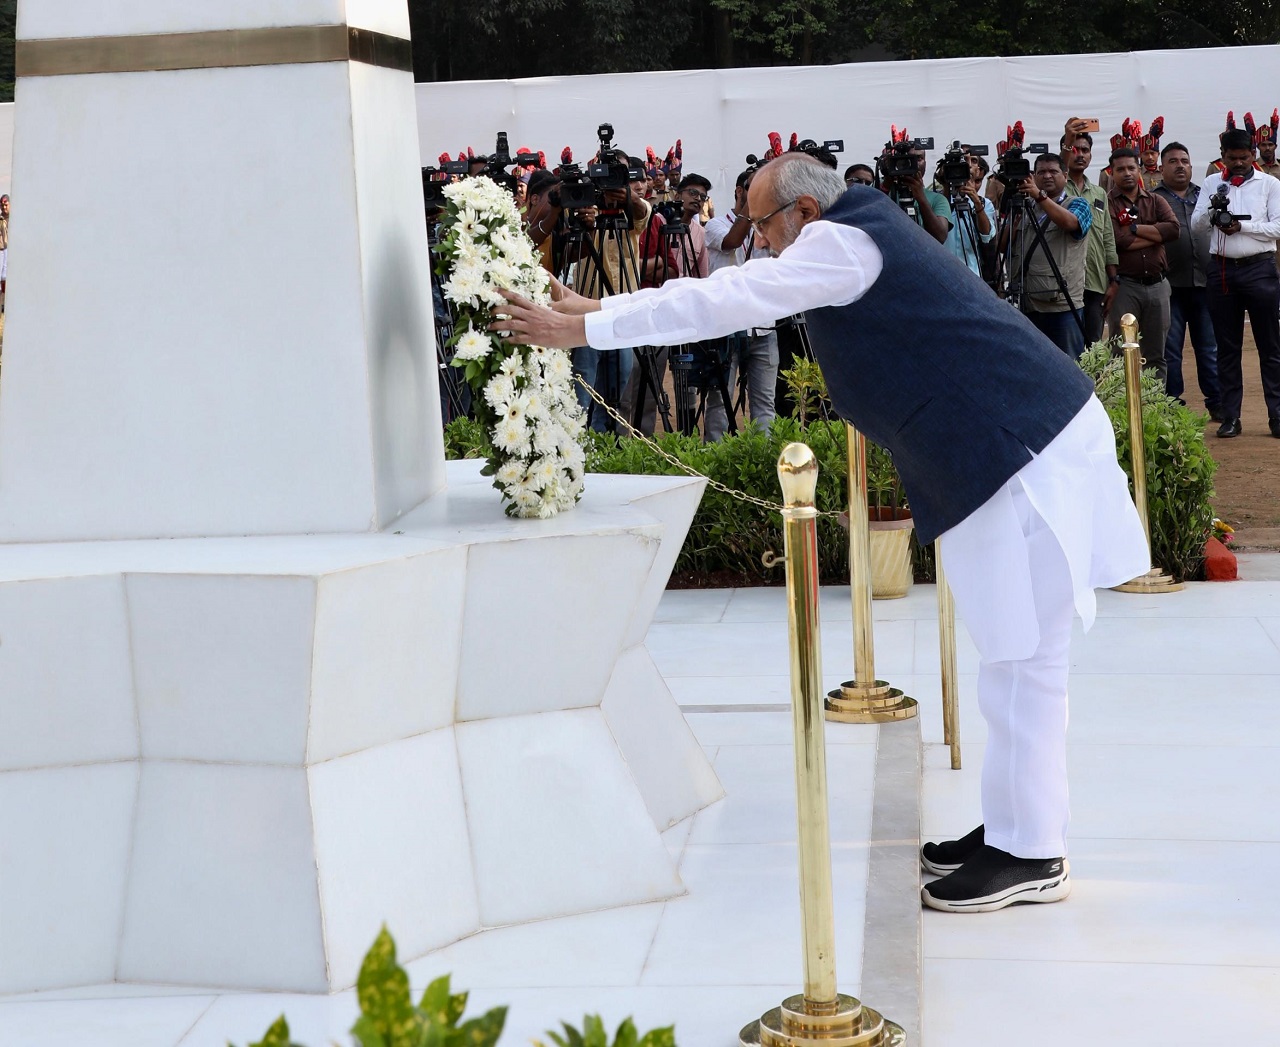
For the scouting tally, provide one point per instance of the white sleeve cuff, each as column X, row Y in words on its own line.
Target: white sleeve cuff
column 599, row 329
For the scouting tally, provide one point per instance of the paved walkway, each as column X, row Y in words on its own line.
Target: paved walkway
column 1173, row 929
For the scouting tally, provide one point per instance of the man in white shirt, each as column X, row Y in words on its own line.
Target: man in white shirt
column 1242, row 274
column 729, row 243
column 1007, row 457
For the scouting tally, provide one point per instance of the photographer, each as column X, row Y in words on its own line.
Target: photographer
column 542, row 216
column 931, row 209
column 692, row 194
column 1101, row 265
column 1242, row 214
column 1064, row 221
column 730, row 243
column 1143, row 224
column 621, row 256
column 959, row 241
column 859, row 174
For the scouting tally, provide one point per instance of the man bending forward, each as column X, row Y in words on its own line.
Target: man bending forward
column 1002, row 447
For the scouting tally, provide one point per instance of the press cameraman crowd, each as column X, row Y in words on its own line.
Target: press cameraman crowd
column 1186, row 258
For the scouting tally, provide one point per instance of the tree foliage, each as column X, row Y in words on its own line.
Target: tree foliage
column 495, row 39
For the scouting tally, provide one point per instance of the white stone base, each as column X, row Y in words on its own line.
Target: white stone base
column 226, row 762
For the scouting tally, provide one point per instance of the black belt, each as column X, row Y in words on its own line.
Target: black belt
column 1146, row 281
column 1247, row 260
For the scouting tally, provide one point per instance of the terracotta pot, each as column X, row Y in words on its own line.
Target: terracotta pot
column 891, row 573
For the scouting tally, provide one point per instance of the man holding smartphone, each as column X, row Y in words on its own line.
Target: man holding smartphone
column 1101, row 265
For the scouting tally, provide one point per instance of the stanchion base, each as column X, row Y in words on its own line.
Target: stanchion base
column 852, row 1025
column 878, row 703
column 1154, row 581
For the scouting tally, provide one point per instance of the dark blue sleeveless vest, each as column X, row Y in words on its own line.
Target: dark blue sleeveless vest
column 955, row 383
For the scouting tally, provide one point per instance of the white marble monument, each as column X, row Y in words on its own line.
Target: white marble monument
column 266, row 679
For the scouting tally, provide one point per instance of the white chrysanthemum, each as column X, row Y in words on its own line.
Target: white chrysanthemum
column 500, row 391
column 503, row 274
column 510, row 472
column 517, row 410
column 543, row 471
column 512, row 366
column 473, row 345
column 464, row 285
column 547, row 438
column 511, row 436
column 558, row 369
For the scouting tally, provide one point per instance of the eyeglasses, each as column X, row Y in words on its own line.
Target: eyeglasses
column 757, row 223
column 695, row 194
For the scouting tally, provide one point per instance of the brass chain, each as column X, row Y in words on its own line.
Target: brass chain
column 741, row 496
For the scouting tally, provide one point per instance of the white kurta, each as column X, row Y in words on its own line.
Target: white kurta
column 1014, row 590
column 1075, row 482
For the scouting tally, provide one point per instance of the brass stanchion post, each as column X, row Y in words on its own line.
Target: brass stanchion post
column 947, row 658
column 1155, row 580
column 864, row 699
column 820, row 1016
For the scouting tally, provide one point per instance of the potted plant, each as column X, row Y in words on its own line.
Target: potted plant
column 890, row 522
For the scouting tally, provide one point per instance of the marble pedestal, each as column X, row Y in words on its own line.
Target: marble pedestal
column 226, row 762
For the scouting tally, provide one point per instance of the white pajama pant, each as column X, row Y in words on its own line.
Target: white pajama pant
column 1025, row 806
column 1020, row 566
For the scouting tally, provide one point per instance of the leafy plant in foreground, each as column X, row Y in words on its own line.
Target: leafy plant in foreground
column 388, row 1017
column 592, row 1034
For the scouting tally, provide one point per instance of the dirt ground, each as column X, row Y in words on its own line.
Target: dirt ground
column 1248, row 478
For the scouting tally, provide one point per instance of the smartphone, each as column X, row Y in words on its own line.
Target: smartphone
column 1092, row 124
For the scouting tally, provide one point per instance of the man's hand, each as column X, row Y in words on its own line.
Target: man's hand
column 529, row 324
column 568, row 302
column 1028, row 188
column 1073, row 128
column 1108, row 297
column 1233, row 228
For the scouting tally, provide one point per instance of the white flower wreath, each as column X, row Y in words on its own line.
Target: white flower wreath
column 523, row 395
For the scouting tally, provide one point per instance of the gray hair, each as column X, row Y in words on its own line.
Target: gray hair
column 796, row 175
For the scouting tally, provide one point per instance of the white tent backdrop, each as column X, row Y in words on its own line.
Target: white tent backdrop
column 723, row 114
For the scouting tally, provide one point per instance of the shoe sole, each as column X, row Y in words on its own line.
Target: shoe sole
column 937, row 870
column 1033, row 892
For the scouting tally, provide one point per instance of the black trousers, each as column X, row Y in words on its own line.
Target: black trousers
column 1234, row 290
column 1092, row 317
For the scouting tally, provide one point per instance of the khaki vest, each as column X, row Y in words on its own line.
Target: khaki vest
column 1040, row 293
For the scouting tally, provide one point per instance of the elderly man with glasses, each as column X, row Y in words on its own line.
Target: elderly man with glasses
column 1007, row 456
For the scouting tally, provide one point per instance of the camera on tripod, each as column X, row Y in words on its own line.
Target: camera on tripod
column 897, row 160
column 1013, row 167
column 1220, row 216
column 611, row 170
column 954, row 170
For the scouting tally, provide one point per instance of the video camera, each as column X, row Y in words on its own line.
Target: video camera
column 896, row 160
column 434, row 179
column 1013, row 167
column 953, row 168
column 1220, row 216
column 824, row 151
column 611, row 170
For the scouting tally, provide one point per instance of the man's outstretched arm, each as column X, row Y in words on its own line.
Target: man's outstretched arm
column 828, row 264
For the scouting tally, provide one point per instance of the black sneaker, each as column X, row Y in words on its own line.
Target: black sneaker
column 992, row 879
column 948, row 856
